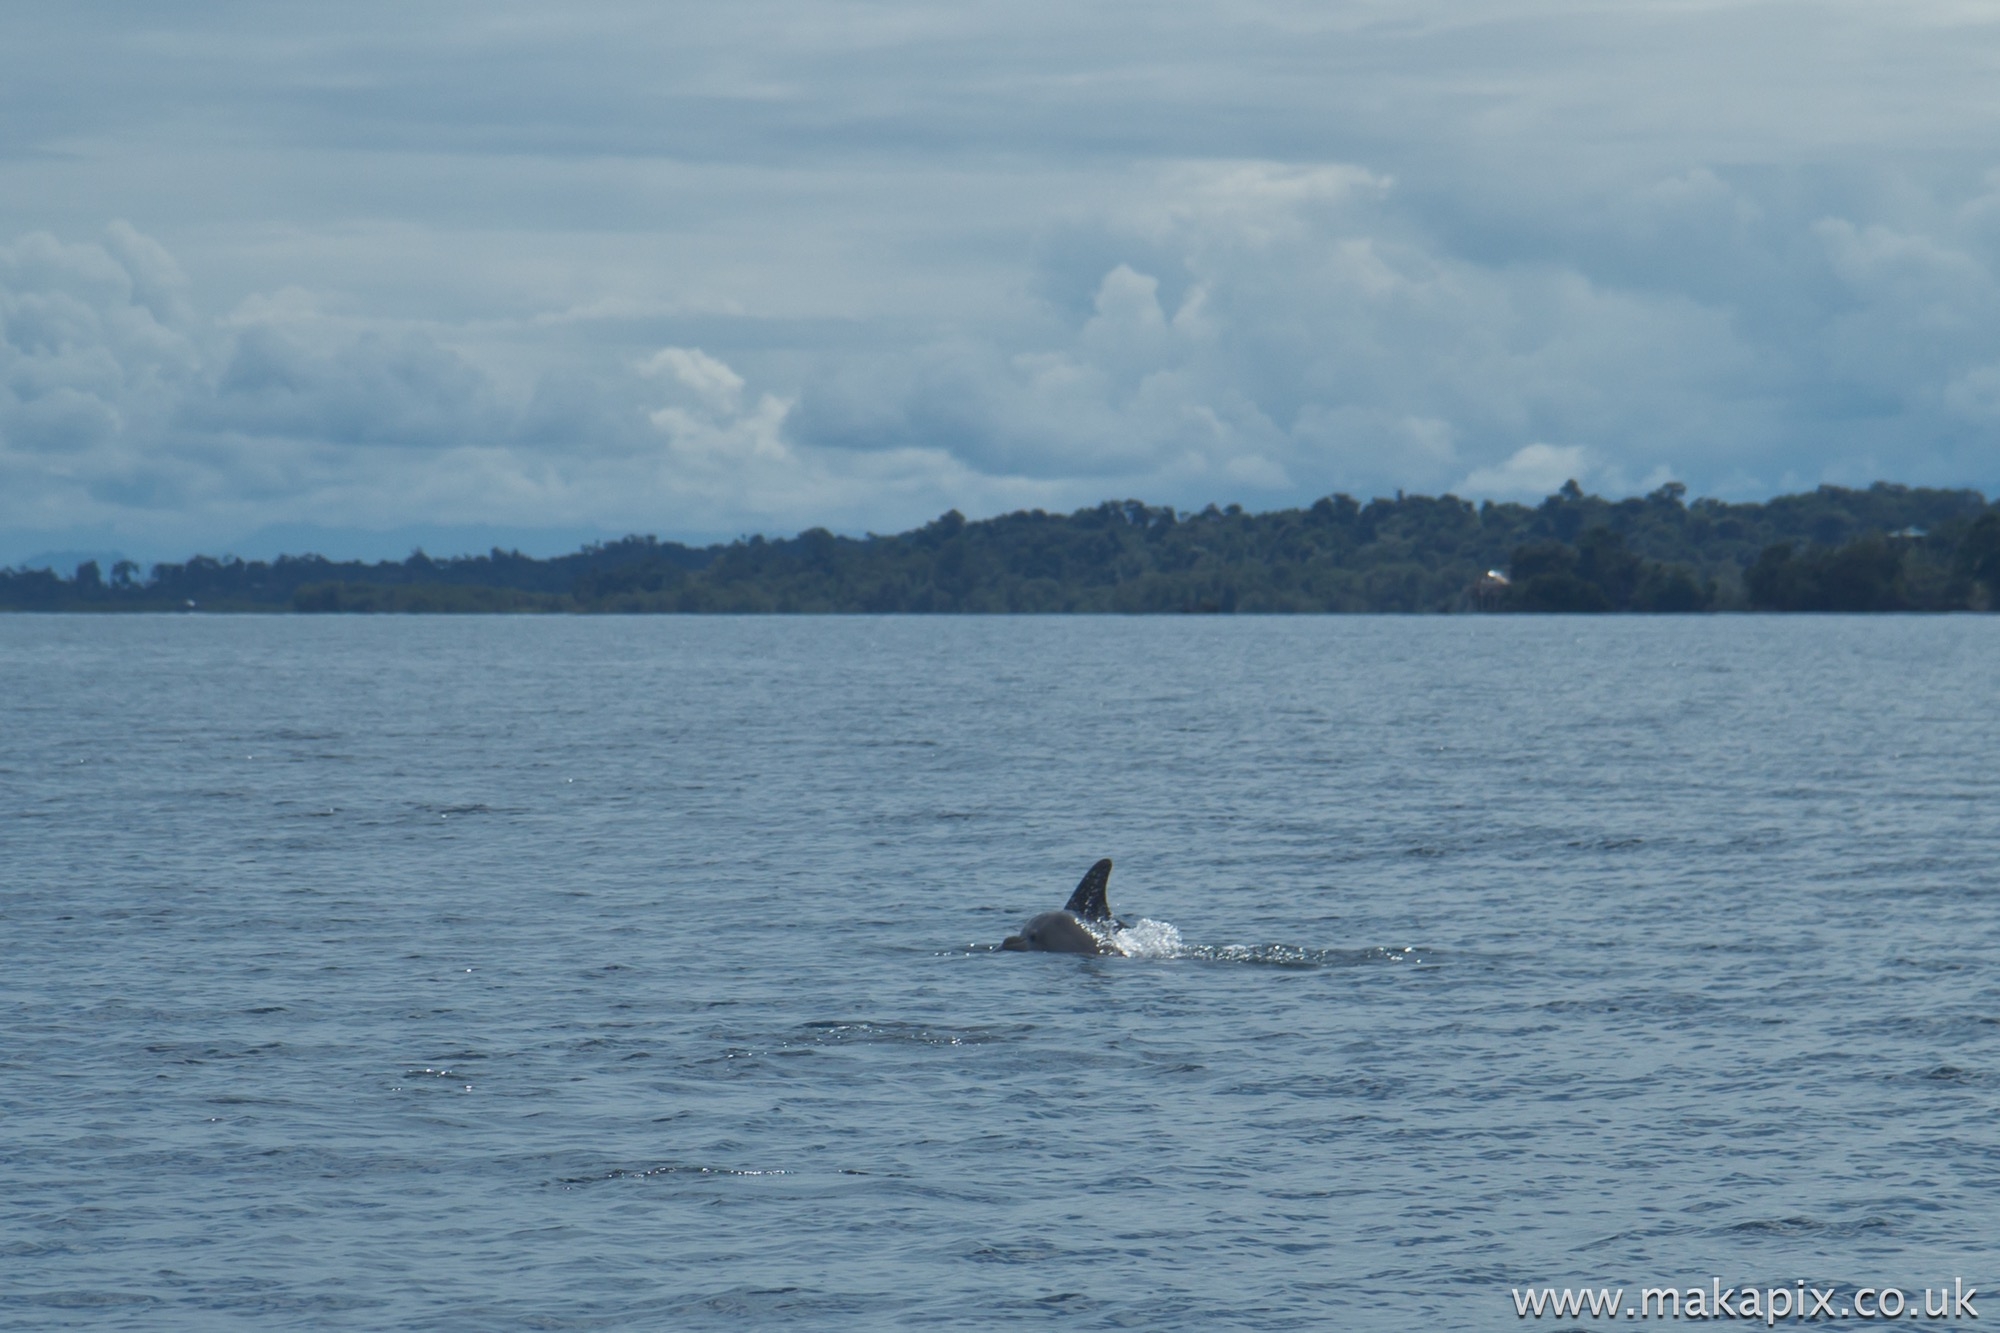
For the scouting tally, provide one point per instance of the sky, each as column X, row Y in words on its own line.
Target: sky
column 364, row 276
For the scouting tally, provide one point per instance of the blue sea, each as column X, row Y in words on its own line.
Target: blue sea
column 576, row 973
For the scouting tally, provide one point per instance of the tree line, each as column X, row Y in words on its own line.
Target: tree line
column 1885, row 548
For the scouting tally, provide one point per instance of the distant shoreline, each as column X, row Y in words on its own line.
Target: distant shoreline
column 1885, row 548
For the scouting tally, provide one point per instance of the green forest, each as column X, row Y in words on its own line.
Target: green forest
column 1885, row 548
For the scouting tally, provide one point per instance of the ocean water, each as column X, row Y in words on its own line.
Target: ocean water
column 526, row 973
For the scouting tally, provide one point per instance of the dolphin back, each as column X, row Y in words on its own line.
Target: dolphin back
column 1088, row 901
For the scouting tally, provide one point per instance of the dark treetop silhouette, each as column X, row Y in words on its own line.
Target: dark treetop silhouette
column 1886, row 548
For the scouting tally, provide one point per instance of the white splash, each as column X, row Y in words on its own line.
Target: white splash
column 1146, row 938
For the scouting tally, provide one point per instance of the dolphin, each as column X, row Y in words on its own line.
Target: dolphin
column 1083, row 926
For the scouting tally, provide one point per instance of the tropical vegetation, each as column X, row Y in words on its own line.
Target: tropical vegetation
column 1885, row 548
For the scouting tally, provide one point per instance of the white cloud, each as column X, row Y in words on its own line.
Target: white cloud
column 855, row 263
column 708, row 377
column 717, row 443
column 1320, row 342
column 1533, row 471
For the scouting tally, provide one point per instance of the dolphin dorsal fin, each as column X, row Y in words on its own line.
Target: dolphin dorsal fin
column 1088, row 900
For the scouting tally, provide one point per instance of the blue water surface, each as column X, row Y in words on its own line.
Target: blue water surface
column 568, row 973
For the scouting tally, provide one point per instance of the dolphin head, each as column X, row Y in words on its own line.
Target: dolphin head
column 1058, row 932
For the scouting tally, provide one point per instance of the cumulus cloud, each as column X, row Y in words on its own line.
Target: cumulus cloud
column 854, row 266
column 717, row 440
column 93, row 353
column 1534, row 470
column 401, row 392
column 709, row 378
column 1318, row 341
column 281, row 413
column 720, row 445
